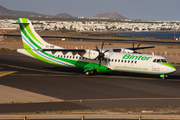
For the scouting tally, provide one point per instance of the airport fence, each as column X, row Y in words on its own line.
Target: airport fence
column 162, row 53
column 89, row 116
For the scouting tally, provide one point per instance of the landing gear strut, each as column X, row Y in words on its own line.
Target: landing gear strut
column 163, row 76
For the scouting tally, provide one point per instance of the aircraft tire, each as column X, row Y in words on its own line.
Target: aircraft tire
column 87, row 72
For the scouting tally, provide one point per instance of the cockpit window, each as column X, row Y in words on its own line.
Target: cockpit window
column 163, row 60
column 159, row 60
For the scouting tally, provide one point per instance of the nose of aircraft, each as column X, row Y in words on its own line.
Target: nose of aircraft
column 170, row 68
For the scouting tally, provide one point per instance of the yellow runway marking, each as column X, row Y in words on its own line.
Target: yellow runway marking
column 40, row 75
column 3, row 73
column 33, row 69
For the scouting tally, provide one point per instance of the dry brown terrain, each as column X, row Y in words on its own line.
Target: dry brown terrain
column 170, row 52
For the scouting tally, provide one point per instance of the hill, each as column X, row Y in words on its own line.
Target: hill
column 5, row 11
column 112, row 15
column 63, row 15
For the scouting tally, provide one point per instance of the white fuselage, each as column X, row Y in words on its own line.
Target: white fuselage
column 126, row 62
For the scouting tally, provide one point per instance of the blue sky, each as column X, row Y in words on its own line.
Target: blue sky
column 132, row 9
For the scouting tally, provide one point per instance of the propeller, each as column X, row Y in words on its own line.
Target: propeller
column 101, row 55
column 137, row 47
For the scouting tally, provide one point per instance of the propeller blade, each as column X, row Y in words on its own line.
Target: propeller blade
column 138, row 45
column 97, row 48
column 102, row 46
column 106, row 51
column 99, row 62
column 133, row 47
column 101, row 54
column 95, row 58
column 133, row 44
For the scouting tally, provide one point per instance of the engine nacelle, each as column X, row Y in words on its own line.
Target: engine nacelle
column 90, row 54
column 127, row 51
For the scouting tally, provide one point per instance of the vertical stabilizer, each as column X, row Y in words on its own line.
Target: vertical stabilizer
column 31, row 40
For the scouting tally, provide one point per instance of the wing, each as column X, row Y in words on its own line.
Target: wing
column 132, row 48
column 84, row 50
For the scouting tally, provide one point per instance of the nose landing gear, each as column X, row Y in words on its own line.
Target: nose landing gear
column 163, row 76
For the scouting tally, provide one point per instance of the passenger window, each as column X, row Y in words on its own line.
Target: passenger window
column 122, row 61
column 61, row 56
column 119, row 60
column 112, row 60
column 76, row 57
column 109, row 60
column 115, row 60
column 67, row 56
column 132, row 61
column 125, row 61
column 128, row 61
column 154, row 60
column 135, row 62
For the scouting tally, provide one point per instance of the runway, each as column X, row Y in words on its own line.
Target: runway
column 29, row 85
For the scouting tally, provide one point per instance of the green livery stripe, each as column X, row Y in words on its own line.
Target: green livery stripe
column 24, row 20
column 167, row 64
column 29, row 50
column 25, row 34
column 27, row 27
column 31, row 33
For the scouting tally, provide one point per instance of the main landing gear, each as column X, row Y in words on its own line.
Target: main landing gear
column 89, row 72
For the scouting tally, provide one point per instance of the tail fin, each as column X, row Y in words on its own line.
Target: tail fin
column 31, row 40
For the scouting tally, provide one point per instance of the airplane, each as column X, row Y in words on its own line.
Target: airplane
column 92, row 60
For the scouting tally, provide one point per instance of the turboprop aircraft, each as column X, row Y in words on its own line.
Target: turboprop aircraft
column 92, row 60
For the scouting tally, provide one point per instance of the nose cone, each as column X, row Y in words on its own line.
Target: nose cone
column 171, row 70
column 169, row 67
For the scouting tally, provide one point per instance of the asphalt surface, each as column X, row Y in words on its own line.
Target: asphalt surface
column 78, row 91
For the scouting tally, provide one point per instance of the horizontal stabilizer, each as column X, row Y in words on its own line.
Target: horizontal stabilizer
column 69, row 50
column 20, row 23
